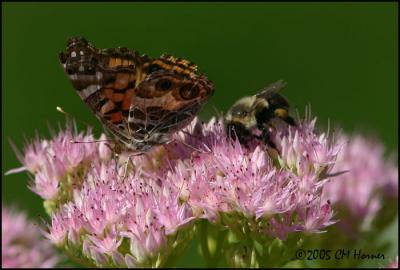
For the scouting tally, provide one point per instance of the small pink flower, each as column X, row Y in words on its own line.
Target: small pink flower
column 22, row 245
column 303, row 151
column 36, row 155
column 107, row 244
column 315, row 217
column 104, row 148
column 46, row 183
column 58, row 231
column 71, row 149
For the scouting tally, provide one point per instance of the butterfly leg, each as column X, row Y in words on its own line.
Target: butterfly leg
column 116, row 163
column 128, row 162
column 126, row 168
column 194, row 148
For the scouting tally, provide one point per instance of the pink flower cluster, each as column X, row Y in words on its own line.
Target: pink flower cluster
column 136, row 210
column 57, row 164
column 233, row 179
column 111, row 214
column 21, row 243
column 371, row 179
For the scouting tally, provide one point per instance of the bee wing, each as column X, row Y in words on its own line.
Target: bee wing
column 271, row 89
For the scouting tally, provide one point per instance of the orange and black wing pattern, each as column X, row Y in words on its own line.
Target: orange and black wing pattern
column 139, row 99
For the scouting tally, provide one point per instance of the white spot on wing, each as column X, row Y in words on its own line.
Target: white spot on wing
column 73, row 54
column 88, row 91
column 99, row 76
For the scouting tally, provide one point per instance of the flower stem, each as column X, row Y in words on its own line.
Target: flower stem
column 80, row 261
column 182, row 241
column 203, row 228
column 219, row 248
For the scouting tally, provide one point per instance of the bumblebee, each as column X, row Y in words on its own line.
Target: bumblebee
column 252, row 116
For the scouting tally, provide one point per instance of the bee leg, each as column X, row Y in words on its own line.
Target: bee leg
column 267, row 140
column 239, row 132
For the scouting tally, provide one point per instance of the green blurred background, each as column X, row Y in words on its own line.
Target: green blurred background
column 339, row 57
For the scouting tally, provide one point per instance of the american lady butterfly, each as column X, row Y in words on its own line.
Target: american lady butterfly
column 142, row 101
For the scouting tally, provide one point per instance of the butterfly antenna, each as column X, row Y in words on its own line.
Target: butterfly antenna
column 329, row 127
column 67, row 114
column 297, row 115
column 219, row 114
column 61, row 110
column 97, row 141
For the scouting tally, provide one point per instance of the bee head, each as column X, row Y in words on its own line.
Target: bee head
column 243, row 113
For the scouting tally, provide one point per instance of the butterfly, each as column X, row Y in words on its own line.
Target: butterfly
column 140, row 100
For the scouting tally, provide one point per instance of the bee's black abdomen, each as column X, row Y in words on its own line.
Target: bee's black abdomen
column 290, row 121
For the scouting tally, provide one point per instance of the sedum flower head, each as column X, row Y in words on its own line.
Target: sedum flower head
column 140, row 210
column 233, row 180
column 58, row 165
column 370, row 181
column 120, row 221
column 22, row 245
